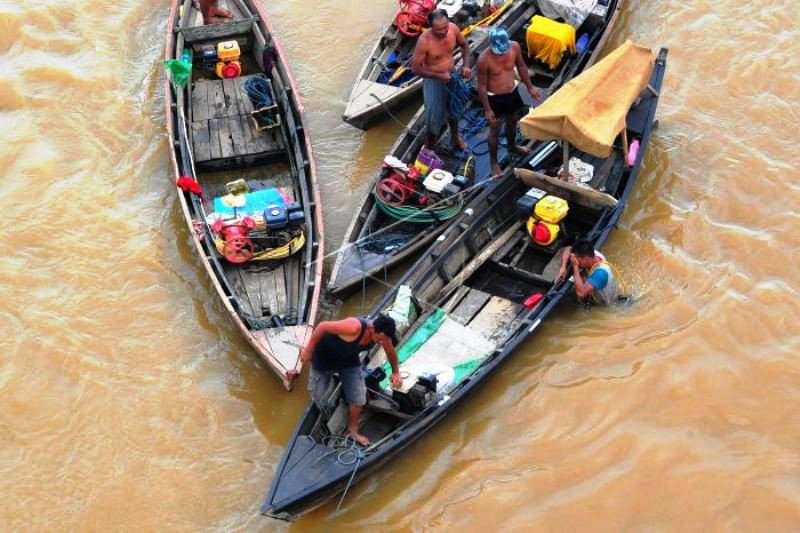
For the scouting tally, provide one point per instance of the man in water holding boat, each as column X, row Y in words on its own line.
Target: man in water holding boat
column 498, row 91
column 599, row 284
column 334, row 348
column 433, row 60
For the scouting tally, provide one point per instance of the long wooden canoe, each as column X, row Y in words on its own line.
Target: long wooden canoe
column 463, row 308
column 251, row 156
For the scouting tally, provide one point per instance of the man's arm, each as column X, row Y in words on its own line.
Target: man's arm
column 522, row 70
column 483, row 90
column 583, row 289
column 562, row 269
column 461, row 41
column 391, row 355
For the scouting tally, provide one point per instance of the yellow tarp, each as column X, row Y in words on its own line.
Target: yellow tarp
column 548, row 40
column 589, row 111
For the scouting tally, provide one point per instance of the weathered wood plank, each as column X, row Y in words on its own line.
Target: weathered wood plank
column 213, row 139
column 235, row 279
column 248, row 135
column 200, row 101
column 551, row 269
column 469, row 306
column 495, row 316
column 200, row 141
column 267, row 290
column 216, row 100
column 237, row 136
column 211, row 32
column 291, row 273
column 261, row 138
column 454, row 300
column 233, row 98
column 224, row 133
column 479, row 259
column 285, row 345
column 280, row 290
column 252, row 286
column 574, row 193
column 247, row 104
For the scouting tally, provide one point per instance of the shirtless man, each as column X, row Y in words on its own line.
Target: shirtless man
column 499, row 92
column 433, row 60
column 213, row 14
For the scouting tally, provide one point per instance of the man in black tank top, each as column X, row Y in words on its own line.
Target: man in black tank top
column 334, row 348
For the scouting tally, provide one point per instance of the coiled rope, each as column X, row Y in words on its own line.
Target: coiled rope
column 259, row 90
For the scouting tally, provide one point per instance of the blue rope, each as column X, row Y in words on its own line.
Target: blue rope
column 459, row 95
column 258, row 90
column 356, row 454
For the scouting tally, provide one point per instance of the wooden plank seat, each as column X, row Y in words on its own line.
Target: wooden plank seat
column 222, row 129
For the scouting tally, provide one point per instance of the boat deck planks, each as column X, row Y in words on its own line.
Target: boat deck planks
column 252, row 284
column 221, row 124
column 469, row 306
column 269, row 297
column 551, row 269
column 236, row 281
column 454, row 300
column 284, row 343
column 497, row 311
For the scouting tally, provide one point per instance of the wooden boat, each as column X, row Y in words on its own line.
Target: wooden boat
column 473, row 297
column 386, row 82
column 243, row 140
column 381, row 235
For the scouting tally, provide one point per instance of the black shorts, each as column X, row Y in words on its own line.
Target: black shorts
column 505, row 104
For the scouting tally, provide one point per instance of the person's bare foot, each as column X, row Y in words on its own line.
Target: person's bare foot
column 496, row 171
column 521, row 151
column 359, row 438
column 459, row 143
column 220, row 12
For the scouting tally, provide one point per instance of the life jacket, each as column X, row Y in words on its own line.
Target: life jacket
column 609, row 293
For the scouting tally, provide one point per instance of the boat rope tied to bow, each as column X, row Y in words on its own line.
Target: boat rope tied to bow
column 348, row 452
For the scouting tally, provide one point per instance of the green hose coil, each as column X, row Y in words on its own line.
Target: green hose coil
column 417, row 215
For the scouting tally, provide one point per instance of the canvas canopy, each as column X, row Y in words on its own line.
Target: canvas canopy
column 589, row 111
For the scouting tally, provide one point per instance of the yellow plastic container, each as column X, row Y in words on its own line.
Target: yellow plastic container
column 551, row 209
column 228, row 51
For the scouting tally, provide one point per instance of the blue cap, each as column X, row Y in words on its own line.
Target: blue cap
column 499, row 41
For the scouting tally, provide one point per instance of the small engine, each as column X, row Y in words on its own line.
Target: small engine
column 228, row 54
column 419, row 396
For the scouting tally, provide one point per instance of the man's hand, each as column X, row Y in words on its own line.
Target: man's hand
column 490, row 116
column 574, row 261
column 397, row 380
column 534, row 92
column 562, row 273
column 466, row 72
column 444, row 78
column 305, row 355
